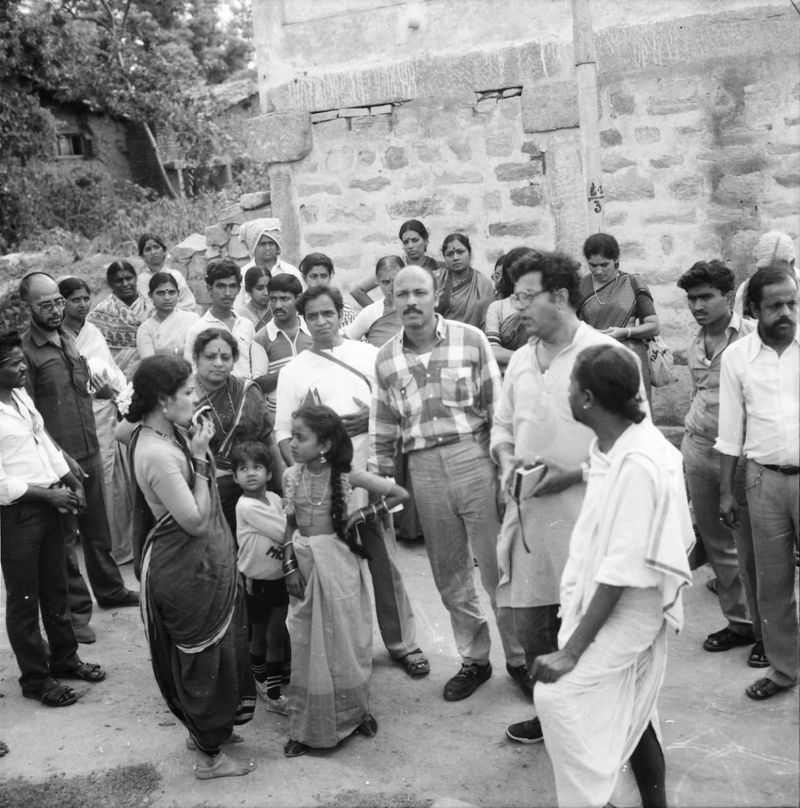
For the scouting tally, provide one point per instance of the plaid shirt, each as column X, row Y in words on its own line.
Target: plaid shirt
column 453, row 398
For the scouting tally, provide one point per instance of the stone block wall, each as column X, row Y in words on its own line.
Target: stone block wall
column 459, row 164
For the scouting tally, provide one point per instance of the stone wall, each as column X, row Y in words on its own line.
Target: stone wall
column 700, row 134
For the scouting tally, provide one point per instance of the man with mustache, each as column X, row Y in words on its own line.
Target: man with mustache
column 284, row 336
column 709, row 292
column 437, row 387
column 340, row 374
column 759, row 413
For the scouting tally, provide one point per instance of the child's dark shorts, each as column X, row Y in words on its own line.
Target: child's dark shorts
column 263, row 596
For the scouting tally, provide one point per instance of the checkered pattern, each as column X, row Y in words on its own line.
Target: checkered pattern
column 420, row 407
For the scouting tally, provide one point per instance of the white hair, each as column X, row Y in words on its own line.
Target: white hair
column 773, row 247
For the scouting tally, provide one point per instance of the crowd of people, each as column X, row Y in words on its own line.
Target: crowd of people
column 257, row 461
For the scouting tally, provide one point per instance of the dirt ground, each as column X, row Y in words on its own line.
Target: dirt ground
column 120, row 747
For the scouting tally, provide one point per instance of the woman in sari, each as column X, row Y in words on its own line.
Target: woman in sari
column 191, row 590
column 464, row 293
column 153, row 251
column 256, row 306
column 414, row 237
column 235, row 406
column 617, row 303
column 108, row 381
column 503, row 327
column 165, row 331
column 119, row 316
column 378, row 322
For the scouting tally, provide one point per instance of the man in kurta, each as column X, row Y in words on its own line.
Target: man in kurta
column 533, row 423
column 340, row 374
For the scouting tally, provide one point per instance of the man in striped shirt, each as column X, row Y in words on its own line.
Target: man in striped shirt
column 437, row 387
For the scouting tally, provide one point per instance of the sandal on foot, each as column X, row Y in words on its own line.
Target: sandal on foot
column 295, row 748
column 3, row 749
column 222, row 767
column 86, row 671
column 763, row 689
column 415, row 663
column 757, row 658
column 368, row 727
column 55, row 694
column 234, row 737
column 724, row 640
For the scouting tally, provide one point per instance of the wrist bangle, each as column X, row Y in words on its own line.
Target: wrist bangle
column 629, row 334
column 201, row 476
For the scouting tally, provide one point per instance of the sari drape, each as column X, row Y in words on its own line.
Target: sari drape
column 192, row 610
column 118, row 324
column 465, row 299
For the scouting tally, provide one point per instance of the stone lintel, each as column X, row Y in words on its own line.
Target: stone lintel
column 278, row 137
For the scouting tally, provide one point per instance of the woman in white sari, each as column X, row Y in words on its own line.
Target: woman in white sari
column 620, row 591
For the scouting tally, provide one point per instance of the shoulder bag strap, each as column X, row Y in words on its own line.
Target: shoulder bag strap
column 332, row 358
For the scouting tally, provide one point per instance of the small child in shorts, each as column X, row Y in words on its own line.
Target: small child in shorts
column 260, row 532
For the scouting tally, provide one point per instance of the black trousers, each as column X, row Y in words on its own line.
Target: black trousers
column 101, row 569
column 33, row 562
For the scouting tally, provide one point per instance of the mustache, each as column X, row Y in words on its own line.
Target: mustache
column 411, row 310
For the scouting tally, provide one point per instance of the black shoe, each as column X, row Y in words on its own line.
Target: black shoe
column 466, row 681
column 519, row 673
column 128, row 599
column 526, row 731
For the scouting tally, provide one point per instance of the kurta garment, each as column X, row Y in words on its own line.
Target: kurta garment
column 191, row 603
column 634, row 531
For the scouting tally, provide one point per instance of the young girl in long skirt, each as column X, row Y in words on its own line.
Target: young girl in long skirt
column 330, row 614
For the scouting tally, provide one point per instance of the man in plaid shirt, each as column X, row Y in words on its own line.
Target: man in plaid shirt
column 437, row 386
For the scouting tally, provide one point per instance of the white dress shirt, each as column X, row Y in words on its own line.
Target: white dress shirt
column 28, row 456
column 759, row 402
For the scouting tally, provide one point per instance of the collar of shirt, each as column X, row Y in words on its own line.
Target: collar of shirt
column 733, row 327
column 756, row 344
column 41, row 337
column 209, row 317
column 273, row 330
column 440, row 330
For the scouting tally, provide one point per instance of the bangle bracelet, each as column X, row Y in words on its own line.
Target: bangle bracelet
column 629, row 334
column 201, row 476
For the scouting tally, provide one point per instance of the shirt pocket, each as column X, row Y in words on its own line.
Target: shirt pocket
column 458, row 387
column 406, row 395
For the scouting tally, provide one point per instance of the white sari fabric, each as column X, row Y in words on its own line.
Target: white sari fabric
column 634, row 531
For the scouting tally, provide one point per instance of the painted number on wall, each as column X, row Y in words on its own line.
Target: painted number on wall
column 596, row 197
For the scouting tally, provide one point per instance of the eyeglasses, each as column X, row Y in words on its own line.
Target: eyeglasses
column 49, row 306
column 526, row 298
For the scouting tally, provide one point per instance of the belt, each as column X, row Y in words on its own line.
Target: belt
column 786, row 470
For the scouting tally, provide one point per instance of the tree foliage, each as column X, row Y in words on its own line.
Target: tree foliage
column 144, row 61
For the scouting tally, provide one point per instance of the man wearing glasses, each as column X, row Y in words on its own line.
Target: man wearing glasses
column 534, row 424
column 59, row 382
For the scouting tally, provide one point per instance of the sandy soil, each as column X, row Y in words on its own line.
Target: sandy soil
column 722, row 748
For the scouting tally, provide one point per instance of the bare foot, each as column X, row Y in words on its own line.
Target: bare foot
column 220, row 766
column 234, row 737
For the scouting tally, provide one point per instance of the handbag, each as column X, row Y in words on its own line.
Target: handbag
column 659, row 354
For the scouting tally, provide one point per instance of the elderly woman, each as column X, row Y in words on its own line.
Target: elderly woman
column 378, row 322
column 414, row 237
column 464, row 293
column 236, row 407
column 617, row 303
column 153, row 251
column 165, row 331
column 119, row 316
column 503, row 327
column 186, row 556
column 256, row 307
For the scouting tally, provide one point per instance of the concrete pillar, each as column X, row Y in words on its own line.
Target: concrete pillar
column 285, row 207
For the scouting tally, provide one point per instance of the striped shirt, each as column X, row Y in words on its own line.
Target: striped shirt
column 421, row 406
column 281, row 350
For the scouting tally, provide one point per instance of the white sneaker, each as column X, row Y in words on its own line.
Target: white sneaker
column 279, row 705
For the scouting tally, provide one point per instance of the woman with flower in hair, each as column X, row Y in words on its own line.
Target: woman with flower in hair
column 330, row 621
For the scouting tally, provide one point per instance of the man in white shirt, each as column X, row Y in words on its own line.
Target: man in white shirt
column 36, row 485
column 341, row 374
column 759, row 413
column 223, row 281
column 534, row 423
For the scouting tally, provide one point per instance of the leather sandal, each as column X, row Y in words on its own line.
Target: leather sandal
column 757, row 658
column 415, row 663
column 295, row 748
column 368, row 727
column 86, row 671
column 763, row 689
column 724, row 640
column 54, row 694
